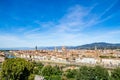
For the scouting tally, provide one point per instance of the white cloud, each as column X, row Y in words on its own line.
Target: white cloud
column 107, row 9
column 66, row 31
column 79, row 18
column 74, row 19
column 32, row 31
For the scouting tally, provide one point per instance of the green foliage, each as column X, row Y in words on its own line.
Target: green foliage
column 84, row 73
column 56, row 70
column 31, row 77
column 37, row 68
column 51, row 73
column 20, row 69
column 100, row 73
column 70, row 73
column 116, row 74
column 16, row 69
column 53, row 77
column 47, row 70
column 92, row 73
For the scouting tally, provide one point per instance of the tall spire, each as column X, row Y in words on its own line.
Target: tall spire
column 36, row 48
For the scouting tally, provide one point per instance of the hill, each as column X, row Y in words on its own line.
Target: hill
column 99, row 45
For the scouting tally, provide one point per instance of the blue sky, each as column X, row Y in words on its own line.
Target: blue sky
column 27, row 23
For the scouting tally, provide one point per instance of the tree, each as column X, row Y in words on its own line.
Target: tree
column 51, row 73
column 37, row 68
column 47, row 70
column 56, row 70
column 84, row 73
column 100, row 73
column 92, row 73
column 70, row 74
column 16, row 69
column 115, row 75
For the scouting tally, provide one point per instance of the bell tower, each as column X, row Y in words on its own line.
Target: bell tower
column 36, row 48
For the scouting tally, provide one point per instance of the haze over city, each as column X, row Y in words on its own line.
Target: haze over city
column 27, row 23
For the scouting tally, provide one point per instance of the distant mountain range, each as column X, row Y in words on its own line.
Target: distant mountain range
column 99, row 45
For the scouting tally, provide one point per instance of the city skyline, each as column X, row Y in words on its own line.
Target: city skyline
column 26, row 23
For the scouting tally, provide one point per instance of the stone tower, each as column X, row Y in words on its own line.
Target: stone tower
column 36, row 48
